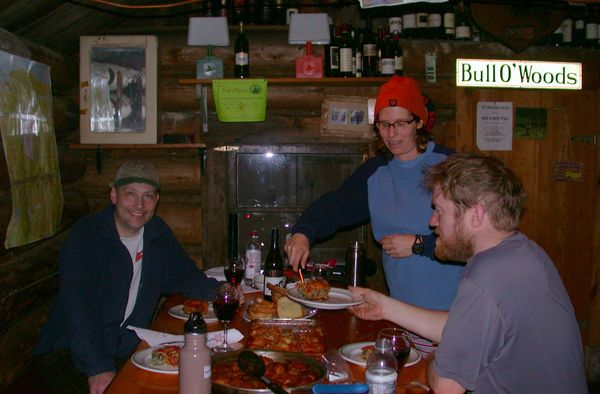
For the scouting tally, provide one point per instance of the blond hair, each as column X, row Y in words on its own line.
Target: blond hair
column 467, row 179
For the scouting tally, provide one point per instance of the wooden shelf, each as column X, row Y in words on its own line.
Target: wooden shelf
column 299, row 81
column 138, row 146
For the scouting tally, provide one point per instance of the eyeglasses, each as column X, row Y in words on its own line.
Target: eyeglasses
column 398, row 124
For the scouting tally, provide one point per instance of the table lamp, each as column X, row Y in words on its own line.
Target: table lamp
column 209, row 31
column 309, row 29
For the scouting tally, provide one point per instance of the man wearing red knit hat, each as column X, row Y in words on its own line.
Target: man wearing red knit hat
column 388, row 191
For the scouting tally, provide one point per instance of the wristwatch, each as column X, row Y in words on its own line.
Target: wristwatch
column 418, row 247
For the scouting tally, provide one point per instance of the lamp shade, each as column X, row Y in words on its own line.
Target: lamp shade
column 309, row 27
column 208, row 31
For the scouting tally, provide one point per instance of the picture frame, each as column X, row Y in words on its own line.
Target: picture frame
column 345, row 116
column 118, row 89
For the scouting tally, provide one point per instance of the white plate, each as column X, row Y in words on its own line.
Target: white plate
column 143, row 359
column 353, row 353
column 177, row 312
column 338, row 299
column 311, row 312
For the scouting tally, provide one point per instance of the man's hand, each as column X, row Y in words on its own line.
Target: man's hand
column 297, row 249
column 397, row 245
column 372, row 308
column 99, row 383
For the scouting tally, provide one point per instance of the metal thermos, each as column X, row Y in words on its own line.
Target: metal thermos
column 355, row 260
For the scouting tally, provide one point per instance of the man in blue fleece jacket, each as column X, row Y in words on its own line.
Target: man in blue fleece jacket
column 114, row 267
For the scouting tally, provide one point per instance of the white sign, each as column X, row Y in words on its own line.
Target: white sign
column 494, row 125
column 518, row 74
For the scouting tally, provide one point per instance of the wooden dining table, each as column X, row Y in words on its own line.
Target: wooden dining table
column 340, row 327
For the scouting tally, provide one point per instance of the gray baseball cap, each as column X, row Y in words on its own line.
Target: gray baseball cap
column 137, row 171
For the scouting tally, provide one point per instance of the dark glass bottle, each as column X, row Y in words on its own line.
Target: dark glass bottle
column 273, row 265
column 579, row 26
column 334, row 54
column 345, row 44
column 591, row 28
column 398, row 55
column 380, row 44
column 232, row 236
column 358, row 53
column 449, row 21
column 387, row 57
column 241, row 68
column 556, row 37
column 422, row 15
column 436, row 25
column 267, row 12
column 463, row 25
column 370, row 58
column 567, row 29
column 279, row 12
column 409, row 21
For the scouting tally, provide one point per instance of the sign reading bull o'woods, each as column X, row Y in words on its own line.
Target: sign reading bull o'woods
column 518, row 74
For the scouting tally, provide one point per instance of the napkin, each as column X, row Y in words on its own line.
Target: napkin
column 219, row 274
column 156, row 338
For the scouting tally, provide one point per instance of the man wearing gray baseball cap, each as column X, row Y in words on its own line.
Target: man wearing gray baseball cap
column 114, row 267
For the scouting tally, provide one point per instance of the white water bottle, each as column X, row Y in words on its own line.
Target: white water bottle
column 382, row 366
column 253, row 259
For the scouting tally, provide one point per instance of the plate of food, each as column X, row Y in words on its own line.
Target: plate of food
column 282, row 307
column 316, row 293
column 161, row 359
column 358, row 353
column 182, row 311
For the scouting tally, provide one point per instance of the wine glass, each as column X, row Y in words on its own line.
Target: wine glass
column 400, row 340
column 234, row 270
column 225, row 305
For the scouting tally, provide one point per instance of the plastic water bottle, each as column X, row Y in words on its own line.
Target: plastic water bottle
column 381, row 374
column 253, row 259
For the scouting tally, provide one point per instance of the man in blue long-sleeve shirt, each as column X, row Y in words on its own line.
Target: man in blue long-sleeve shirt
column 114, row 267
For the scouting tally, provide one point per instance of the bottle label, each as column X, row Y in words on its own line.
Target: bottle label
column 253, row 257
column 435, row 20
column 388, row 66
column 334, row 58
column 591, row 31
column 274, row 280
column 381, row 380
column 399, row 63
column 369, row 50
column 395, row 24
column 463, row 32
column 422, row 19
column 207, row 371
column 346, row 60
column 449, row 20
column 242, row 58
column 409, row 21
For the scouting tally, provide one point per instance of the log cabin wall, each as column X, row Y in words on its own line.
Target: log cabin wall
column 194, row 202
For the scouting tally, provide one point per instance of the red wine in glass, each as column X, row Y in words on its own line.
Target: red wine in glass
column 225, row 310
column 234, row 275
column 400, row 341
column 401, row 355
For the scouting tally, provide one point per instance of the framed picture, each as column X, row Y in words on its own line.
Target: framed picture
column 345, row 116
column 117, row 76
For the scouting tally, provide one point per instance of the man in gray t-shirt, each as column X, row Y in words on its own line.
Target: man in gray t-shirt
column 511, row 328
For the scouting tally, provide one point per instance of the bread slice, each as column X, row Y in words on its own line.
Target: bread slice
column 289, row 309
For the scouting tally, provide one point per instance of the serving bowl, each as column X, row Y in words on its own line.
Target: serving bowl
column 313, row 363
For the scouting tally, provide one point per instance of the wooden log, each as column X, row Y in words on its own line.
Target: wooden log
column 184, row 220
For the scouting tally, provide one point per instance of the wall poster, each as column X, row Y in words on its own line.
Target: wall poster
column 494, row 125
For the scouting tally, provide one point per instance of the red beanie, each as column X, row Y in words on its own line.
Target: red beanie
column 401, row 92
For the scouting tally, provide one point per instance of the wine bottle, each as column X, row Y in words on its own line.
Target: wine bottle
column 422, row 17
column 242, row 56
column 591, row 29
column 579, row 26
column 334, row 54
column 567, row 29
column 398, row 56
column 253, row 259
column 232, row 237
column 387, row 57
column 345, row 53
column 449, row 20
column 273, row 266
column 409, row 21
column 369, row 53
column 463, row 25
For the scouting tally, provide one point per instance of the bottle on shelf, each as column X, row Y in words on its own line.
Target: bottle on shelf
column 436, row 28
column 273, row 270
column 409, row 21
column 395, row 24
column 591, row 28
column 346, row 46
column 359, row 37
column 253, row 258
column 555, row 39
column 267, row 12
column 463, row 24
column 380, row 44
column 567, row 29
column 422, row 17
column 387, row 57
column 370, row 58
column 194, row 358
column 449, row 21
column 398, row 55
column 241, row 67
column 579, row 26
column 334, row 54
column 382, row 366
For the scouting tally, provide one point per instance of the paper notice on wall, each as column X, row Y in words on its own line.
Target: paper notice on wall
column 494, row 125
